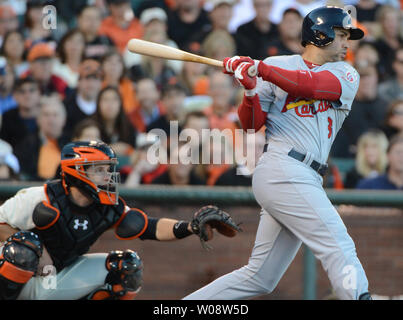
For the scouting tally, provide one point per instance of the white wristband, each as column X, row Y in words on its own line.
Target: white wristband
column 250, row 93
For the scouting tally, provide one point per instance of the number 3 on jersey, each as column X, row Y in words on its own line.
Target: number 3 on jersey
column 329, row 127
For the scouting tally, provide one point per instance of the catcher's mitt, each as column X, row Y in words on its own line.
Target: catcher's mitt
column 212, row 217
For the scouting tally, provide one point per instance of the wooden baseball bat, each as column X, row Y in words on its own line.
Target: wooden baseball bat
column 166, row 52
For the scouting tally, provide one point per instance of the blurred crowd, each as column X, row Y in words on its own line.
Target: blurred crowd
column 66, row 74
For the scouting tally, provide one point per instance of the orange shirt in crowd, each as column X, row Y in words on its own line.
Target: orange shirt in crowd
column 137, row 120
column 121, row 36
column 128, row 94
column 201, row 86
column 49, row 159
column 226, row 121
column 214, row 171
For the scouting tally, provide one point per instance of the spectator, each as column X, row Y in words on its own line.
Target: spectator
column 82, row 102
column 393, row 178
column 219, row 44
column 220, row 14
column 242, row 12
column 221, row 114
column 116, row 130
column 162, row 71
column 44, row 145
column 70, row 52
column 368, row 111
column 303, row 6
column 143, row 171
column 87, row 130
column 389, row 40
column 8, row 21
column 188, row 19
column 193, row 76
column 68, row 11
column 172, row 99
column 241, row 173
column 155, row 25
column 9, row 165
column 367, row 10
column 252, row 37
column 7, row 77
column 219, row 152
column 150, row 108
column 289, row 41
column 19, row 122
column 34, row 32
column 393, row 88
column 121, row 25
column 141, row 6
column 394, row 119
column 41, row 58
column 88, row 22
column 179, row 171
column 13, row 50
column 115, row 75
column 366, row 54
column 371, row 159
column 198, row 121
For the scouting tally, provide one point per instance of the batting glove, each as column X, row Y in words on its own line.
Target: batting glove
column 242, row 76
column 230, row 64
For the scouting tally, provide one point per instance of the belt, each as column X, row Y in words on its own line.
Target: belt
column 315, row 165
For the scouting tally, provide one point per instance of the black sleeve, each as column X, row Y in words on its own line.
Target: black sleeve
column 151, row 232
column 132, row 225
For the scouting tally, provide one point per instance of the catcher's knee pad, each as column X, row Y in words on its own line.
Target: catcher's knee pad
column 18, row 262
column 124, row 279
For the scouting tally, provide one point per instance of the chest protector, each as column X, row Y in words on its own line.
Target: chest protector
column 68, row 232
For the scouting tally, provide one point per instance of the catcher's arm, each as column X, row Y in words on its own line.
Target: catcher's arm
column 6, row 231
column 204, row 221
column 166, row 229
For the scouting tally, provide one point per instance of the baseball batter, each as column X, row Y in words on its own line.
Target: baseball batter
column 303, row 101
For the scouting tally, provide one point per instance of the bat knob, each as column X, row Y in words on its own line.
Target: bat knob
column 252, row 71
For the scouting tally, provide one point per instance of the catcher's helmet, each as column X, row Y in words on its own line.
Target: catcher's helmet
column 317, row 27
column 91, row 167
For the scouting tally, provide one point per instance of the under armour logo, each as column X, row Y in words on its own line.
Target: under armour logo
column 78, row 224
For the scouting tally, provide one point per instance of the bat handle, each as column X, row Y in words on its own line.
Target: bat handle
column 252, row 71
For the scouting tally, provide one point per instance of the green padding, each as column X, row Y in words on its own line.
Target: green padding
column 344, row 165
column 229, row 195
column 123, row 161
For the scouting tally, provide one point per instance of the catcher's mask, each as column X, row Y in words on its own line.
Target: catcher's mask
column 91, row 167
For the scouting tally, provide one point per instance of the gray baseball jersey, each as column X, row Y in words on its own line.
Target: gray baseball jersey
column 295, row 207
column 308, row 125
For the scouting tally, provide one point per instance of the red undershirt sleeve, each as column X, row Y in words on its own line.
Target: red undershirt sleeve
column 322, row 85
column 251, row 114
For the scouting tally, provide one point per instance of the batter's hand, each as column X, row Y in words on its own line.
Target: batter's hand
column 230, row 64
column 242, row 76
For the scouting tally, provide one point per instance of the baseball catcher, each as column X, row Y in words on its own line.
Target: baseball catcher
column 56, row 224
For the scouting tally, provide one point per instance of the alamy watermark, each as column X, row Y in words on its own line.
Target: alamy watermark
column 208, row 146
column 49, row 20
column 49, row 281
